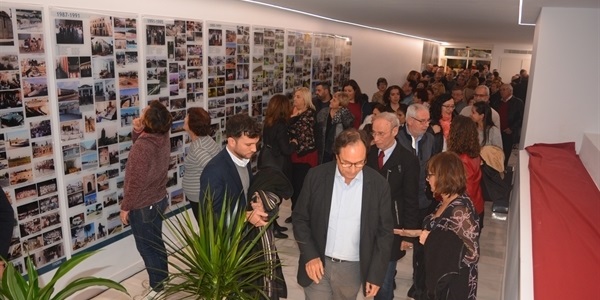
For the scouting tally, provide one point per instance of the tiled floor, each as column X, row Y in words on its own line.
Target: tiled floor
column 491, row 265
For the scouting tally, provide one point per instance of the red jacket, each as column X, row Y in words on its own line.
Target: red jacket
column 473, row 167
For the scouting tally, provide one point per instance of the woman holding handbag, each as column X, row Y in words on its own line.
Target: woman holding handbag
column 277, row 147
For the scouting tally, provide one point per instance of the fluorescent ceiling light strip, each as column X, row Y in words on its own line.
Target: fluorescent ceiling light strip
column 521, row 15
column 343, row 22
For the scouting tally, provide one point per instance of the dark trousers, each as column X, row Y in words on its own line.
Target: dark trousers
column 418, row 290
column 195, row 208
column 507, row 145
column 386, row 292
column 146, row 226
column 299, row 172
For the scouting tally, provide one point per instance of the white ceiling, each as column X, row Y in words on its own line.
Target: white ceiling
column 466, row 22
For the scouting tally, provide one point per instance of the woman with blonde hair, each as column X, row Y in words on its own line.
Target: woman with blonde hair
column 330, row 123
column 301, row 130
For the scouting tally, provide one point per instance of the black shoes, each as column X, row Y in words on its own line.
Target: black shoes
column 288, row 220
column 278, row 227
column 280, row 235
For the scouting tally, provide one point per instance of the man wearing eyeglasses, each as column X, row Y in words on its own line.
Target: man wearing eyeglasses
column 343, row 224
column 415, row 138
column 401, row 170
column 482, row 94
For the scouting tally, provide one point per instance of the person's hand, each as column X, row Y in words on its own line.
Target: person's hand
column 404, row 245
column 138, row 125
column 507, row 131
column 371, row 290
column 125, row 217
column 408, row 232
column 315, row 270
column 256, row 218
column 436, row 128
column 423, row 236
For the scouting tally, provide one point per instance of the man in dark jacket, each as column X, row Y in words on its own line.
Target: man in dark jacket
column 401, row 169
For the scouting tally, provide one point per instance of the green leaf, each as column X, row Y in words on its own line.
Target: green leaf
column 14, row 285
column 85, row 282
column 65, row 268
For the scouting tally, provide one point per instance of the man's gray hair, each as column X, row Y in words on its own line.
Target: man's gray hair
column 487, row 89
column 414, row 108
column 388, row 116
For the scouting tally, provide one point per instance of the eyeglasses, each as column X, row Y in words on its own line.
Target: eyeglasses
column 378, row 134
column 448, row 106
column 429, row 175
column 423, row 122
column 357, row 165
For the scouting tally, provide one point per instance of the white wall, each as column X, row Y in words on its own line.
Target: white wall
column 374, row 54
column 564, row 83
column 509, row 64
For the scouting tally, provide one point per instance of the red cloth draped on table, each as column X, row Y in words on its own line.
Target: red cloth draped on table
column 565, row 209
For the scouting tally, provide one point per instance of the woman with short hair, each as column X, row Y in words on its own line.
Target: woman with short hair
column 451, row 234
column 202, row 149
column 330, row 123
column 145, row 190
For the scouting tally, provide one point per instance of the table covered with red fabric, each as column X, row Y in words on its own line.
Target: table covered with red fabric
column 565, row 215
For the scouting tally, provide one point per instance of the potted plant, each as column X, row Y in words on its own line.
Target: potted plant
column 15, row 287
column 219, row 259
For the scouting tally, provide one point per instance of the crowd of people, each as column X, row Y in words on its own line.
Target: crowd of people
column 368, row 180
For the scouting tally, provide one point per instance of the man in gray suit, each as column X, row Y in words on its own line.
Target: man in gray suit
column 343, row 224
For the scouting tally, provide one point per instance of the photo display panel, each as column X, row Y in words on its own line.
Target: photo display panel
column 343, row 57
column 267, row 67
column 27, row 154
column 322, row 60
column 228, row 74
column 97, row 88
column 174, row 51
column 297, row 61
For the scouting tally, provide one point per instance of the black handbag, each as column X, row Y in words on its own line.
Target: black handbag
column 494, row 188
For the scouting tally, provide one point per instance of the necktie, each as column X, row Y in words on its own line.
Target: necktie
column 380, row 159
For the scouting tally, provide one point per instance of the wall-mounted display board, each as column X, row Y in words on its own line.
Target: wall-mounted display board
column 343, row 57
column 174, row 52
column 297, row 61
column 322, row 59
column 27, row 165
column 267, row 67
column 228, row 73
column 97, row 90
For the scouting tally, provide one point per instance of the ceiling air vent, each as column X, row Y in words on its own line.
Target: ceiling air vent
column 514, row 51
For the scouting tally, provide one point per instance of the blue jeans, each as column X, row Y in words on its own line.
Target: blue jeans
column 146, row 226
column 386, row 292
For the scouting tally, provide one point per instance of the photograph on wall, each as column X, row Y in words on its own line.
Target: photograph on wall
column 267, row 67
column 298, row 61
column 322, row 60
column 174, row 73
column 26, row 156
column 228, row 66
column 343, row 56
column 97, row 67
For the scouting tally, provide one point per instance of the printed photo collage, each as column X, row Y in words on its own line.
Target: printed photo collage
column 298, row 61
column 322, row 60
column 97, row 86
column 267, row 67
column 342, row 59
column 27, row 173
column 228, row 74
column 175, row 77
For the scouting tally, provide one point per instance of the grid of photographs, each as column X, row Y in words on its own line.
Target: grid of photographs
column 342, row 59
column 267, row 67
column 228, row 74
column 97, row 84
column 297, row 61
column 175, row 76
column 322, row 60
column 27, row 173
